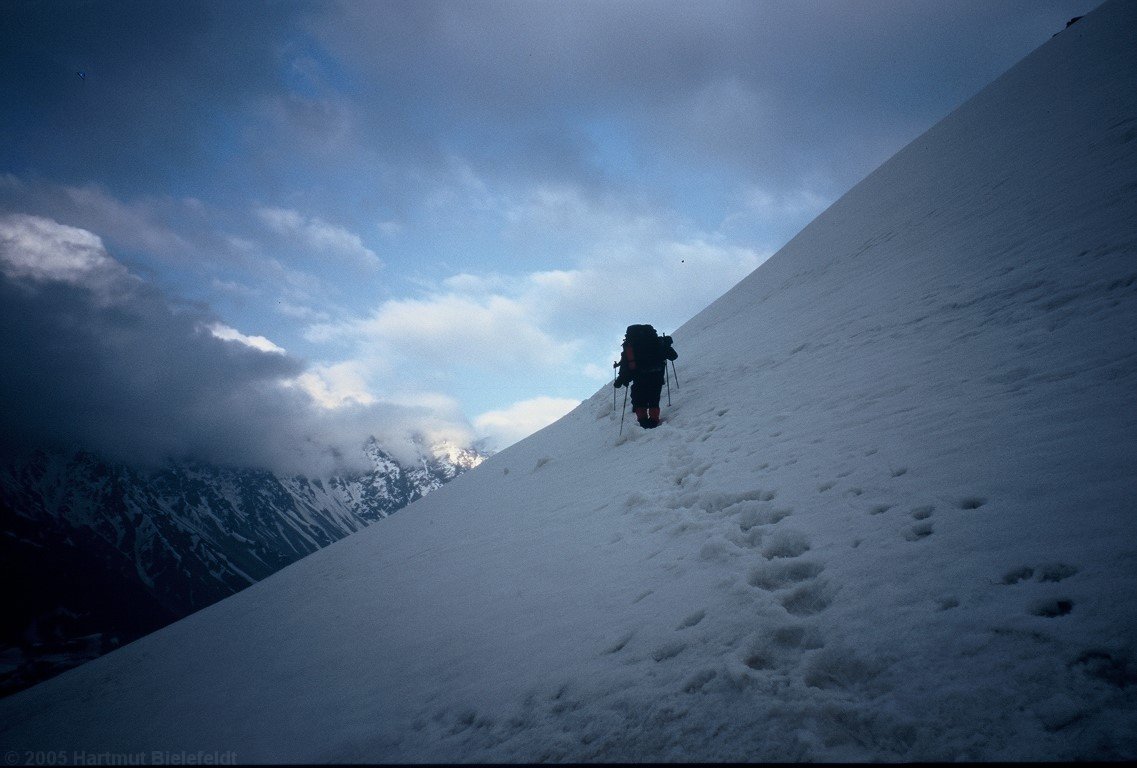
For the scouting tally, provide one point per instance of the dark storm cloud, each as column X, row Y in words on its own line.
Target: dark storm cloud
column 159, row 81
column 336, row 95
column 95, row 358
column 773, row 88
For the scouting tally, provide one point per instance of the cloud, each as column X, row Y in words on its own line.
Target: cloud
column 579, row 166
column 320, row 236
column 193, row 243
column 158, row 80
column 631, row 261
column 159, row 232
column 544, row 320
column 234, row 289
column 598, row 373
column 627, row 257
column 753, row 90
column 508, row 425
column 575, row 214
column 97, row 358
column 773, row 205
column 549, row 328
column 140, row 225
column 450, row 329
column 301, row 312
column 41, row 250
column 664, row 283
column 335, row 386
column 225, row 333
column 323, row 95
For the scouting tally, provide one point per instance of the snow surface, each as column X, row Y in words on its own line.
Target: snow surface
column 890, row 515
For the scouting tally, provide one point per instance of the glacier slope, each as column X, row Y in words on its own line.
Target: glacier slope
column 889, row 516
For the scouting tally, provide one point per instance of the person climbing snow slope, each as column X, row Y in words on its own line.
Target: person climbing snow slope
column 643, row 365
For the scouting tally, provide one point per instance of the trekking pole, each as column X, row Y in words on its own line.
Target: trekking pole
column 667, row 378
column 624, row 411
column 674, row 372
column 615, row 374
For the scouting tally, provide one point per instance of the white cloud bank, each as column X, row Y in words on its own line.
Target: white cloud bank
column 335, row 386
column 508, row 425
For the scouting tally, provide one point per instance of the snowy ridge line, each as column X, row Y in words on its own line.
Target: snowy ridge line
column 889, row 519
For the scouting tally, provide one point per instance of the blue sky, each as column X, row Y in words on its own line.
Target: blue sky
column 389, row 217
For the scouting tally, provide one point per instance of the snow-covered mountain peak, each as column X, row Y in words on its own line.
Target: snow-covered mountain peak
column 463, row 457
column 888, row 516
column 437, row 451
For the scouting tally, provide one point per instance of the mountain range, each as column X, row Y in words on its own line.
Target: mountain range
column 99, row 554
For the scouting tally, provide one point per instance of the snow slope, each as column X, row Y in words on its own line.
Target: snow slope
column 890, row 516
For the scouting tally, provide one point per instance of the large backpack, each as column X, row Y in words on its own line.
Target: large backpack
column 643, row 345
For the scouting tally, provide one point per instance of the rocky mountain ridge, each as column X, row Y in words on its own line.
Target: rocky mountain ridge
column 97, row 554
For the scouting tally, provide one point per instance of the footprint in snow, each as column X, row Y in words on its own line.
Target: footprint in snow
column 692, row 620
column 947, row 603
column 669, row 650
column 619, row 644
column 841, row 669
column 797, row 636
column 695, row 682
column 1052, row 608
column 778, row 574
column 1056, row 572
column 808, row 599
column 760, row 660
column 1115, row 667
column 923, row 512
column 1015, row 575
column 785, row 544
column 1052, row 572
column 919, row 532
column 718, row 548
column 779, row 646
column 747, row 538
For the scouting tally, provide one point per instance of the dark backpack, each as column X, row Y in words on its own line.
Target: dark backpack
column 647, row 347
